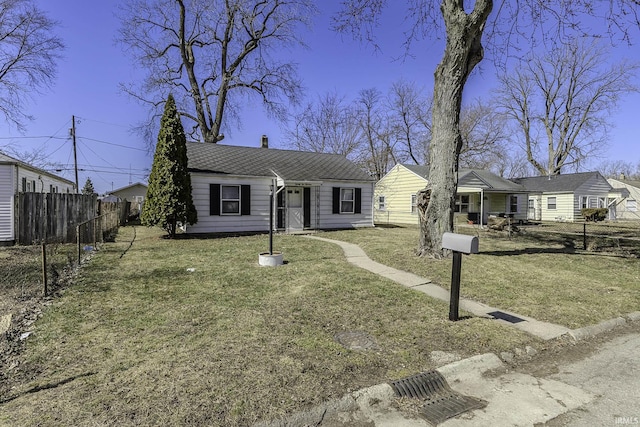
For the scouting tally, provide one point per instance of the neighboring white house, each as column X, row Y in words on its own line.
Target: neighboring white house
column 628, row 204
column 18, row 177
column 479, row 194
column 231, row 189
column 562, row 197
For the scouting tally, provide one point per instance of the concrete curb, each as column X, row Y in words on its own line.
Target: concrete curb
column 475, row 365
column 634, row 317
column 362, row 406
column 592, row 330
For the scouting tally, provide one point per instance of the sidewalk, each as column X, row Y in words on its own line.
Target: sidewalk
column 358, row 257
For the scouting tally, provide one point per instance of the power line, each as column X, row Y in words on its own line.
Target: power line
column 112, row 143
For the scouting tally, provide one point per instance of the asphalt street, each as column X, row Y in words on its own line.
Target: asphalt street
column 612, row 374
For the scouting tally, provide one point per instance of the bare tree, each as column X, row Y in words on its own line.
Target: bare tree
column 377, row 145
column 619, row 169
column 329, row 126
column 539, row 20
column 211, row 55
column 561, row 103
column 29, row 51
column 411, row 123
column 483, row 133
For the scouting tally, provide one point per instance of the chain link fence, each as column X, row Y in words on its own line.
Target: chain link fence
column 620, row 237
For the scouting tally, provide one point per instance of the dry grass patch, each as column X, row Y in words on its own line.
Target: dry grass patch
column 539, row 276
column 140, row 340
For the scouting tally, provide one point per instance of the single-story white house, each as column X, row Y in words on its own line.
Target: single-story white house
column 231, row 187
column 480, row 194
column 627, row 206
column 562, row 197
column 19, row 177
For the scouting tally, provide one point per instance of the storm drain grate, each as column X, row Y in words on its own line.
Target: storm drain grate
column 505, row 316
column 441, row 402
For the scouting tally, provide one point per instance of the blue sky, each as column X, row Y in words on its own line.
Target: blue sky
column 112, row 156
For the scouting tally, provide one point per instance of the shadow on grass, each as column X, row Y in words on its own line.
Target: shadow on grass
column 47, row 387
column 530, row 251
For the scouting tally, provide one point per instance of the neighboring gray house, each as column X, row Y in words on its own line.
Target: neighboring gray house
column 231, row 187
column 134, row 193
column 561, row 197
column 19, row 177
column 628, row 204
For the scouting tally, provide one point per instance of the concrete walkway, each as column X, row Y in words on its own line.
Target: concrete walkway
column 358, row 257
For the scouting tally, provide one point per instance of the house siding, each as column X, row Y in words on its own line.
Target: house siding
column 6, row 203
column 42, row 182
column 565, row 207
column 11, row 182
column 397, row 187
column 134, row 194
column 622, row 211
column 258, row 219
column 595, row 187
column 329, row 220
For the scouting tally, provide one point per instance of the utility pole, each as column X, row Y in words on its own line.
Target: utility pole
column 75, row 154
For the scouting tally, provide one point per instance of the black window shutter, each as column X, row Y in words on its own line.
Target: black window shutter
column 214, row 199
column 245, row 199
column 358, row 203
column 336, row 200
column 307, row 206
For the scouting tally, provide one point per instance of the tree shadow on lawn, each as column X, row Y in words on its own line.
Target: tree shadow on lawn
column 568, row 250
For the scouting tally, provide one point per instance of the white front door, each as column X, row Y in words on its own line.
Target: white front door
column 295, row 211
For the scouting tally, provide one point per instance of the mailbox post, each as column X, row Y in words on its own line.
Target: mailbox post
column 459, row 244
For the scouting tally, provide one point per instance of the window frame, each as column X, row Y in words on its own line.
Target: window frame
column 382, row 203
column 631, row 205
column 513, row 201
column 344, row 190
column 460, row 204
column 555, row 203
column 223, row 200
column 414, row 203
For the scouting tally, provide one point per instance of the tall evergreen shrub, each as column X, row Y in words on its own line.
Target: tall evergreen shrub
column 169, row 202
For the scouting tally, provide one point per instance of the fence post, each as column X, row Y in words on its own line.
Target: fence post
column 78, row 239
column 584, row 236
column 44, row 268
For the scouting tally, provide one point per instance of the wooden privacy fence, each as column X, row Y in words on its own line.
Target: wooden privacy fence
column 54, row 217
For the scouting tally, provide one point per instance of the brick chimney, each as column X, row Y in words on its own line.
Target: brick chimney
column 264, row 142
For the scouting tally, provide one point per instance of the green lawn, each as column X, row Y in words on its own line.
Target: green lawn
column 538, row 276
column 139, row 339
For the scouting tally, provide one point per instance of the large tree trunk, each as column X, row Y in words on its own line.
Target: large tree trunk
column 463, row 51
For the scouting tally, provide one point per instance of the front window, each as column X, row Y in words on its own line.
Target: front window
column 414, row 203
column 381, row 203
column 230, row 200
column 347, row 200
column 513, row 204
column 551, row 203
column 632, row 205
column 462, row 203
column 584, row 202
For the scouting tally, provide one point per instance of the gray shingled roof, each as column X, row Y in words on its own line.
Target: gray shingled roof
column 491, row 181
column 421, row 171
column 287, row 164
column 557, row 183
